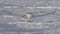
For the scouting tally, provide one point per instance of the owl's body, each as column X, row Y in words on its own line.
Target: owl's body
column 27, row 17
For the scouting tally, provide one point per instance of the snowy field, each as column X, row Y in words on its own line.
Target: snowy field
column 12, row 23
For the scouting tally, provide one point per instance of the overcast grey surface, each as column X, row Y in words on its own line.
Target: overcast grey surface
column 44, row 24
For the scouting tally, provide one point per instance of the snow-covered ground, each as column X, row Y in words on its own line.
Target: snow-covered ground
column 12, row 23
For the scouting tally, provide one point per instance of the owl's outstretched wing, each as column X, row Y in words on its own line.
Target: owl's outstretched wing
column 45, row 14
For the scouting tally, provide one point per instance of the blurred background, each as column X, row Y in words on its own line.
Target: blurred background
column 12, row 23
